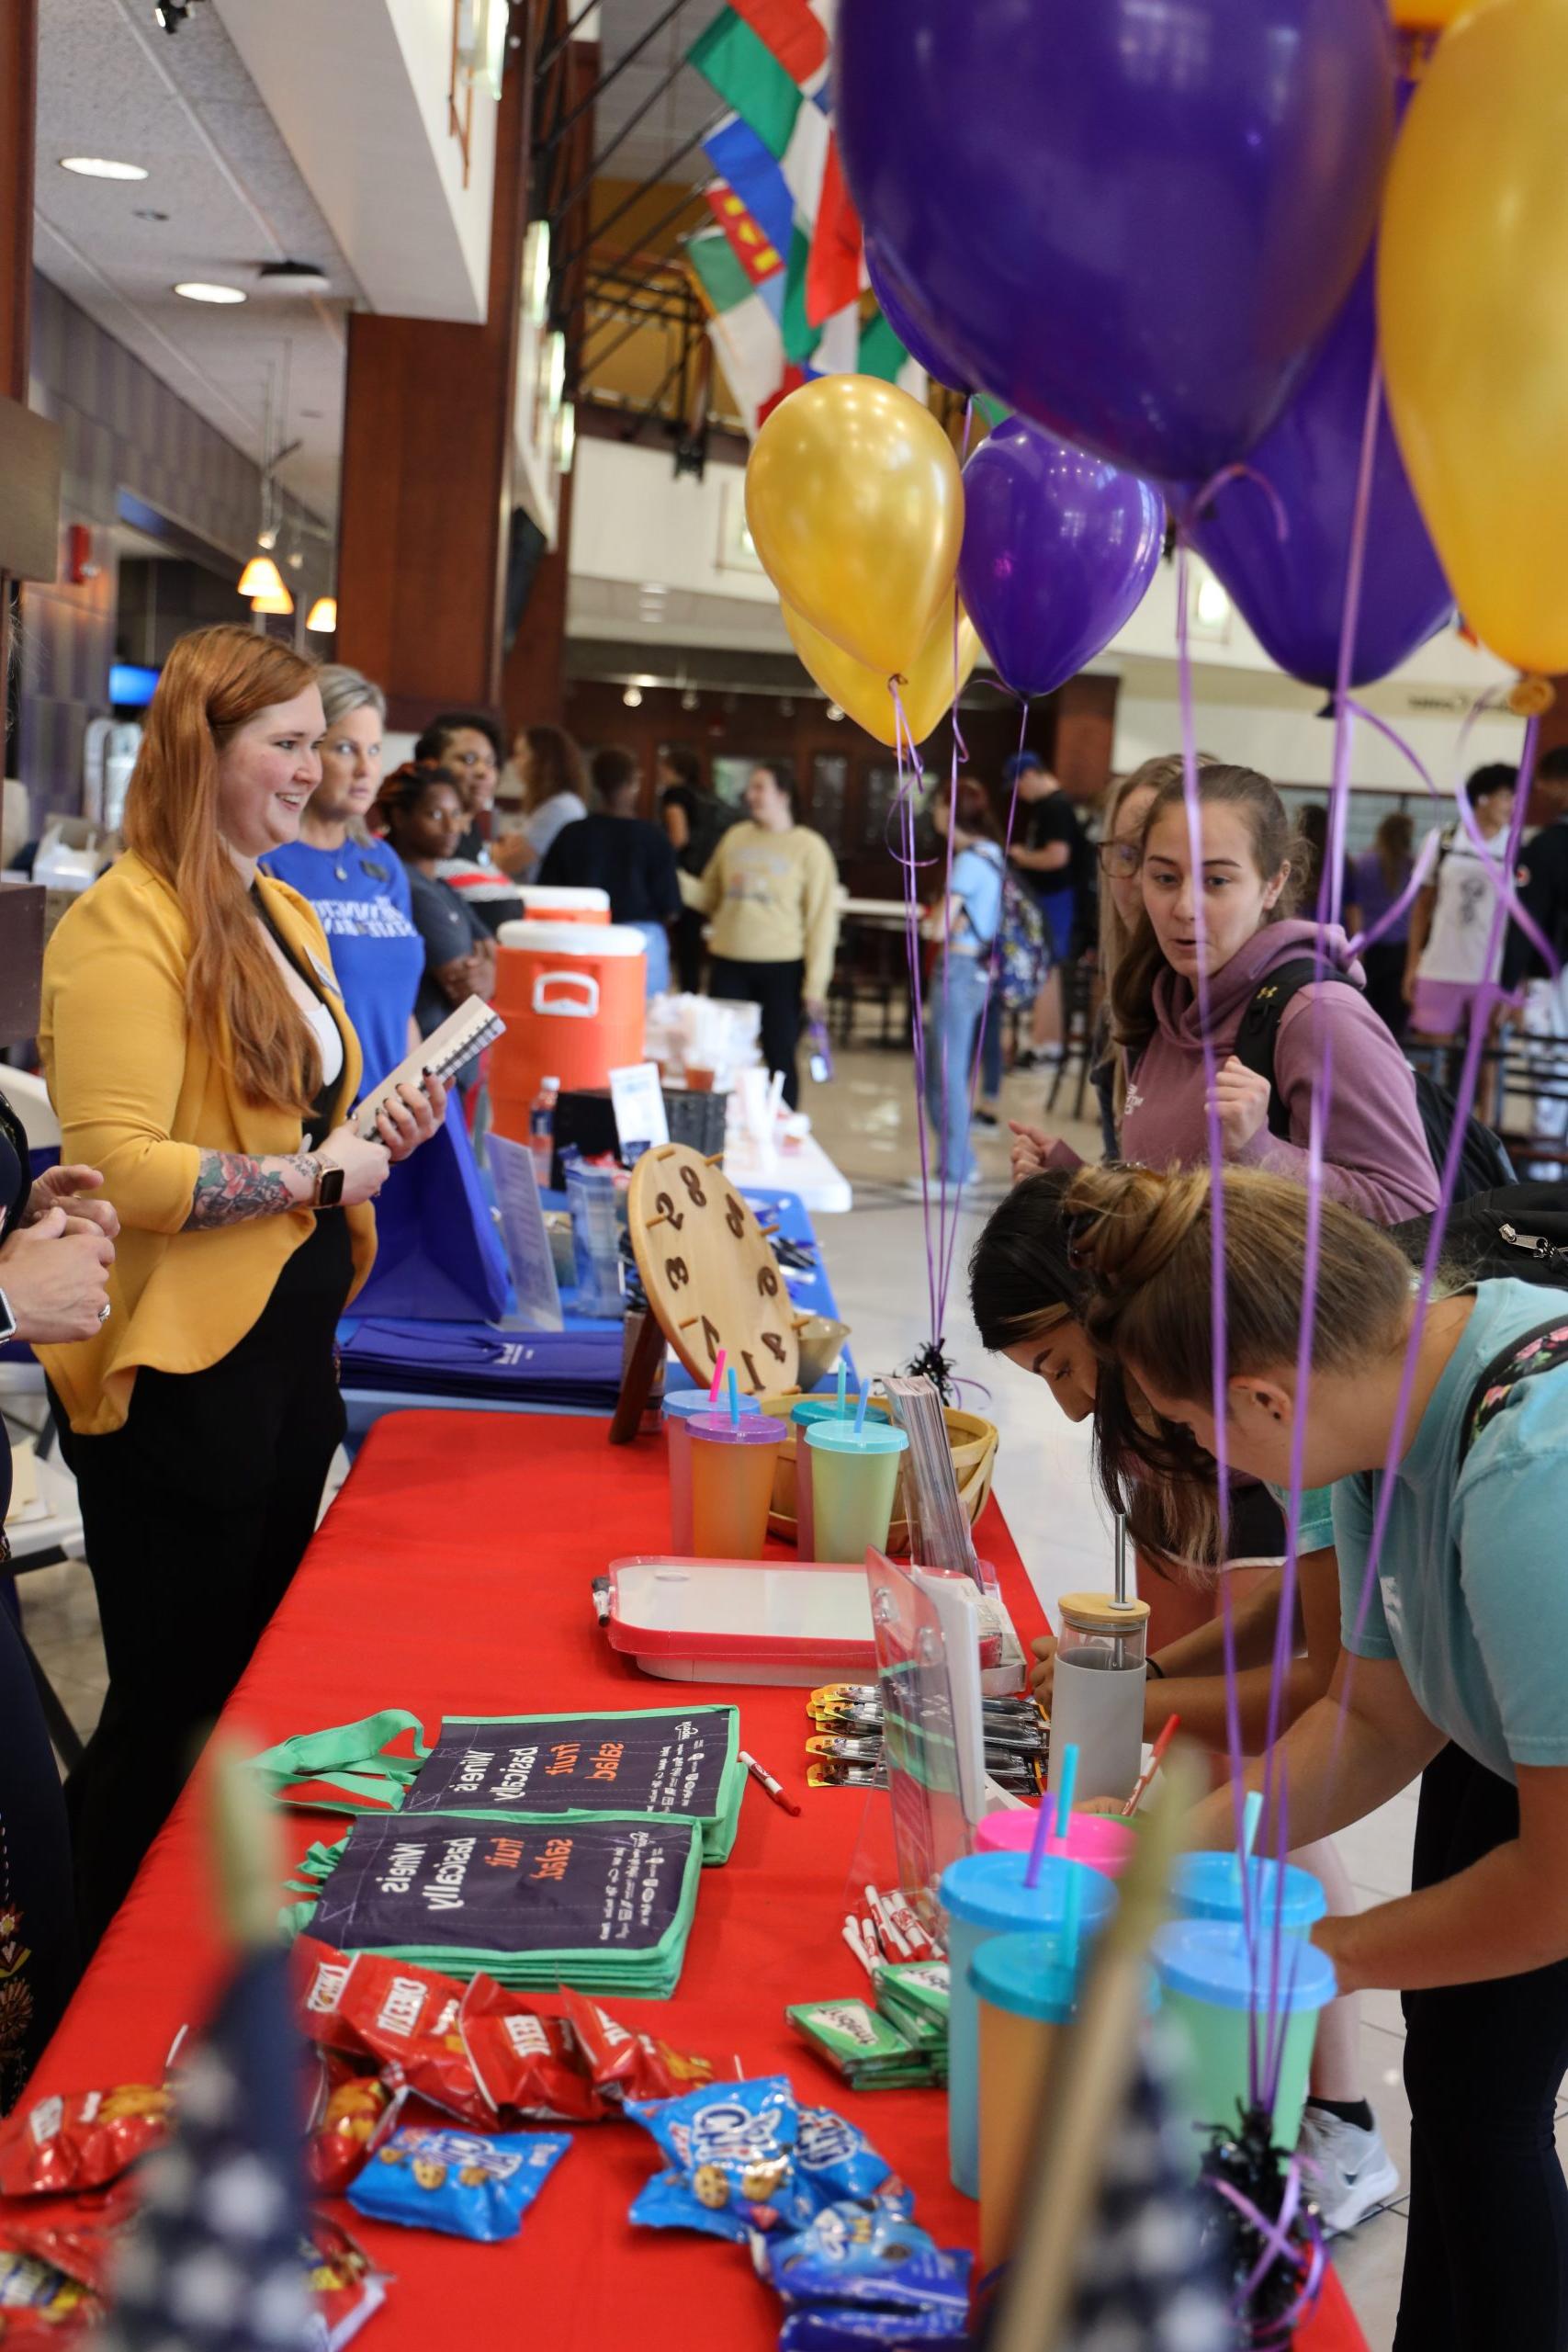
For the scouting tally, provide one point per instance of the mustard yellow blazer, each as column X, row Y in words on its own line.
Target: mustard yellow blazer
column 138, row 1096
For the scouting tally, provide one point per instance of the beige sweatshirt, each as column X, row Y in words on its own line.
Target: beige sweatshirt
column 772, row 896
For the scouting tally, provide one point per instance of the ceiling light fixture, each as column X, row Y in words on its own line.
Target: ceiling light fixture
column 632, row 697
column 295, row 276
column 261, row 577
column 282, row 603
column 101, row 167
column 195, row 290
column 322, row 615
column 566, row 436
column 834, row 713
column 172, row 13
column 689, row 699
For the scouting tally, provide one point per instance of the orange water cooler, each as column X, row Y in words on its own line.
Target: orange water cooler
column 560, row 905
column 571, row 995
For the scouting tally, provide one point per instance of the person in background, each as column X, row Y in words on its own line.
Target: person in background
column 467, row 745
column 695, row 819
column 1454, row 1641
column 955, row 992
column 555, row 788
column 198, row 1053
column 1376, row 879
column 358, row 885
column 771, row 890
column 1451, row 922
column 1029, row 1299
column 423, row 811
column 1050, row 851
column 56, row 1249
column 619, row 851
column 1312, row 827
column 1541, row 886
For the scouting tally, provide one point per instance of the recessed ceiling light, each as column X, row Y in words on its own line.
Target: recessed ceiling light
column 295, row 276
column 195, row 292
column 101, row 167
column 147, row 212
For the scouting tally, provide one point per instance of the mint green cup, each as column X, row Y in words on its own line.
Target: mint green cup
column 854, row 1477
column 1212, row 1988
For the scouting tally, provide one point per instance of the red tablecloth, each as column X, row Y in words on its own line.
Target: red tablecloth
column 452, row 1575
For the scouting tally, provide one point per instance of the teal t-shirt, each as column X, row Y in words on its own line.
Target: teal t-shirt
column 1472, row 1593
column 1315, row 1532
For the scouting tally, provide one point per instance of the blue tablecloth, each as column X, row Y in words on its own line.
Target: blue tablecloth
column 387, row 1365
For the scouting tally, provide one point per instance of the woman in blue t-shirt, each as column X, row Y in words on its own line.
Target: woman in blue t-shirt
column 955, row 993
column 1454, row 1665
column 358, row 885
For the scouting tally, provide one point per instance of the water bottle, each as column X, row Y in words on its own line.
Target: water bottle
column 542, row 1130
column 1097, row 1696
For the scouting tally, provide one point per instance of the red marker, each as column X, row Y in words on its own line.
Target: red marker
column 1155, row 1755
column 766, row 1781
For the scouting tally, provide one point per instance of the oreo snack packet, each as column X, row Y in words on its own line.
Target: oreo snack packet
column 855, row 2253
column 729, row 2150
column 428, row 2178
column 857, row 2327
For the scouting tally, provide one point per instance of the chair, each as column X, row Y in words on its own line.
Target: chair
column 1077, row 1030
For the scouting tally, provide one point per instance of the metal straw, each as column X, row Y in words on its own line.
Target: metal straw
column 1121, row 1558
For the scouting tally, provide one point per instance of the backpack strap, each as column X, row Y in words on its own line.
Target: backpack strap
column 1260, row 1026
column 1543, row 1350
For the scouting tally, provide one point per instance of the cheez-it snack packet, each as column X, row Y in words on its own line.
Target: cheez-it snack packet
column 81, row 2141
column 40, row 2306
column 355, row 2110
column 628, row 2065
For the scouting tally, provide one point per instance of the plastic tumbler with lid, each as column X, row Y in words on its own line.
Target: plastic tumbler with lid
column 854, row 1477
column 1096, row 1695
column 1214, row 1988
column 1097, row 1838
column 1208, row 1887
column 679, row 1411
column 733, row 1462
column 809, row 1410
column 984, row 1895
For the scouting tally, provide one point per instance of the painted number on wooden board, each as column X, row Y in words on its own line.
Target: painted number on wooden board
column 710, row 1340
column 677, row 1273
column 667, row 1208
column 773, row 1344
column 693, row 1182
column 734, row 1216
column 767, row 1283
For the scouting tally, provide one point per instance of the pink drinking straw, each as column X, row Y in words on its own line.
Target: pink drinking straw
column 717, row 1381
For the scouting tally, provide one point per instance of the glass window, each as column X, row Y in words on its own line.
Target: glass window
column 731, row 774
column 830, row 784
column 879, row 794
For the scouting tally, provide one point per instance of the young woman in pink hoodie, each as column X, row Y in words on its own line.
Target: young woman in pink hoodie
column 1375, row 1155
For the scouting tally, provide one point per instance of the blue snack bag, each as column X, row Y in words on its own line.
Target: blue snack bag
column 855, row 2327
column 855, row 2253
column 429, row 2178
column 835, row 2159
column 731, row 2152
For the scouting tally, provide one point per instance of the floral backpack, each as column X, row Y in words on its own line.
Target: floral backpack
column 1022, row 954
column 1543, row 1350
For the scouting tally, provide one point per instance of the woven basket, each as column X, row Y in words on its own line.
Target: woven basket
column 972, row 1441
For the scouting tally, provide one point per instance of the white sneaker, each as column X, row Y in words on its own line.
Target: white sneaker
column 1350, row 2171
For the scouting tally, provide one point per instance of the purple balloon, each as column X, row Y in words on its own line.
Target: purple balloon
column 1127, row 219
column 1291, row 590
column 894, row 305
column 1059, row 549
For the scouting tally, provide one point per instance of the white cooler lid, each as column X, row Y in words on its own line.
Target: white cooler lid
column 574, row 938
column 546, row 895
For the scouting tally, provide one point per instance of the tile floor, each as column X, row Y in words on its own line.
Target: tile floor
column 877, row 1258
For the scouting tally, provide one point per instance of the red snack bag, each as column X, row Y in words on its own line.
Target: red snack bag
column 77, row 2235
column 353, row 2111
column 524, row 2062
column 344, row 2284
column 403, row 2019
column 41, row 2306
column 624, row 2065
column 81, row 2140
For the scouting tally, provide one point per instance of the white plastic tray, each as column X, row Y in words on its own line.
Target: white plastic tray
column 742, row 1620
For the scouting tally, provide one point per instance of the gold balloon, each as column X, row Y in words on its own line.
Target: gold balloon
column 856, row 507
column 1427, row 15
column 925, row 691
column 1474, row 319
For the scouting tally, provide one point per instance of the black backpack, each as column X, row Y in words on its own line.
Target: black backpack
column 1483, row 1164
column 1518, row 1233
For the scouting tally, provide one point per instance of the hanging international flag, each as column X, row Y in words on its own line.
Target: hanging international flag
column 744, row 322
column 793, row 30
column 740, row 158
column 833, row 271
column 750, row 247
column 749, row 77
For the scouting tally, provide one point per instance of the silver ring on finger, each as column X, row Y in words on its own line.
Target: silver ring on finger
column 105, row 1311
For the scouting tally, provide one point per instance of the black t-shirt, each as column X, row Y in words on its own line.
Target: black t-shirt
column 1048, row 822
column 1541, row 883
column 631, row 859
column 449, row 929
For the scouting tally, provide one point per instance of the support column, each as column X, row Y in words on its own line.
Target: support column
column 19, row 117
column 1086, row 731
column 427, row 466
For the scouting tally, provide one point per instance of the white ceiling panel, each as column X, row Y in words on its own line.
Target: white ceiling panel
column 683, row 109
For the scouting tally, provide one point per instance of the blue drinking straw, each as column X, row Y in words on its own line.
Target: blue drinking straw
column 1064, row 1807
column 1066, row 1786
column 843, row 1377
column 860, row 1410
column 734, row 1399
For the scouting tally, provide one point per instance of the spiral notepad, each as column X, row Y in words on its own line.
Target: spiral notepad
column 446, row 1051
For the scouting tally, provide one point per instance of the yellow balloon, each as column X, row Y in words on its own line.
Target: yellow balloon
column 1428, row 15
column 856, row 507
column 1474, row 319
column 925, row 691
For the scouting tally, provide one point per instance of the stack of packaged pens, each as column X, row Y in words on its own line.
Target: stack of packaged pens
column 845, row 1749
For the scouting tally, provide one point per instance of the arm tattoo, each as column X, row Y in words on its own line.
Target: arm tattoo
column 232, row 1188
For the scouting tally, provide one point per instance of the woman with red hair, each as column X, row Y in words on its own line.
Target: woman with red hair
column 198, row 1053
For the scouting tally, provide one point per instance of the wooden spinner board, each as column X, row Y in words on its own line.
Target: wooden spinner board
column 711, row 1278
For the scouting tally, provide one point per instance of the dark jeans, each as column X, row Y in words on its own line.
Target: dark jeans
column 196, row 1515
column 688, row 945
column 1486, row 2252
column 34, row 1864
column 777, row 987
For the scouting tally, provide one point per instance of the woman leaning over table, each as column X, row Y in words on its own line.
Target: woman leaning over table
column 198, row 1056
column 1453, row 1666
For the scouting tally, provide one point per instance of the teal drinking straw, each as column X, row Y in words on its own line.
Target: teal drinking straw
column 860, row 1410
column 1070, row 1917
column 843, row 1377
column 1064, row 1788
column 1252, row 1814
column 734, row 1399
